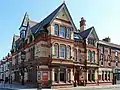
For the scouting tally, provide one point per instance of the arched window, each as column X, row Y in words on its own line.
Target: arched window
column 56, row 29
column 68, row 52
column 62, row 51
column 93, row 56
column 56, row 46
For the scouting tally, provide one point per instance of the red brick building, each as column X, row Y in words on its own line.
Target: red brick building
column 57, row 53
column 109, row 55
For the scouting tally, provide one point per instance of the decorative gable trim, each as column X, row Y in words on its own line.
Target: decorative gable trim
column 93, row 30
column 68, row 15
column 25, row 21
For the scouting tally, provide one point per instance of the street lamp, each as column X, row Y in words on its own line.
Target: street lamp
column 22, row 67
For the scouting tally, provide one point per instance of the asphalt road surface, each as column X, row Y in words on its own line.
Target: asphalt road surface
column 5, row 89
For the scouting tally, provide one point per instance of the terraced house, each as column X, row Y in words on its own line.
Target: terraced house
column 109, row 62
column 57, row 54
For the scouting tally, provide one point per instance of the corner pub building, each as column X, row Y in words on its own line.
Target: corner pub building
column 57, row 54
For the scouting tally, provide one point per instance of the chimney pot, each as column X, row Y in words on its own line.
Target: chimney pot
column 82, row 24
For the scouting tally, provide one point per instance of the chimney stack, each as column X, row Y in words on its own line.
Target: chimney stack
column 82, row 24
column 107, row 39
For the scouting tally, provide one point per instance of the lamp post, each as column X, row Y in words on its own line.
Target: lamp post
column 22, row 67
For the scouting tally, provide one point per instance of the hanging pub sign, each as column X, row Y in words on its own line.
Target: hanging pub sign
column 44, row 76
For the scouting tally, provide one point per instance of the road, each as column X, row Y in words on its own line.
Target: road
column 5, row 89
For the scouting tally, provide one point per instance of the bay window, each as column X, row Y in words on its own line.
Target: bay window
column 56, row 29
column 62, row 51
column 68, row 52
column 62, row 31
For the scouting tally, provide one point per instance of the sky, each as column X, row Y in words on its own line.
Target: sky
column 104, row 15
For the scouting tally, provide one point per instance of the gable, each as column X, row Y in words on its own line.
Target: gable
column 50, row 18
column 62, row 15
column 93, row 34
column 25, row 20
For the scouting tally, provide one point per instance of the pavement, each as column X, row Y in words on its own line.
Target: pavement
column 17, row 86
column 101, row 87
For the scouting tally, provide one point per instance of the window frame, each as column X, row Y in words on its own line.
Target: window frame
column 56, row 50
column 64, row 52
column 63, row 32
column 68, row 33
column 68, row 51
column 75, row 54
column 56, row 29
column 93, row 56
column 89, row 55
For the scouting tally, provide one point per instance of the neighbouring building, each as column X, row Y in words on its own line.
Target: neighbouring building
column 1, row 70
column 5, row 67
column 109, row 62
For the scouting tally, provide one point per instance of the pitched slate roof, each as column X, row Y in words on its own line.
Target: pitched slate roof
column 45, row 21
column 84, row 34
column 48, row 19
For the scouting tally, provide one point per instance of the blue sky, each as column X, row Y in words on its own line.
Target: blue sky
column 104, row 15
